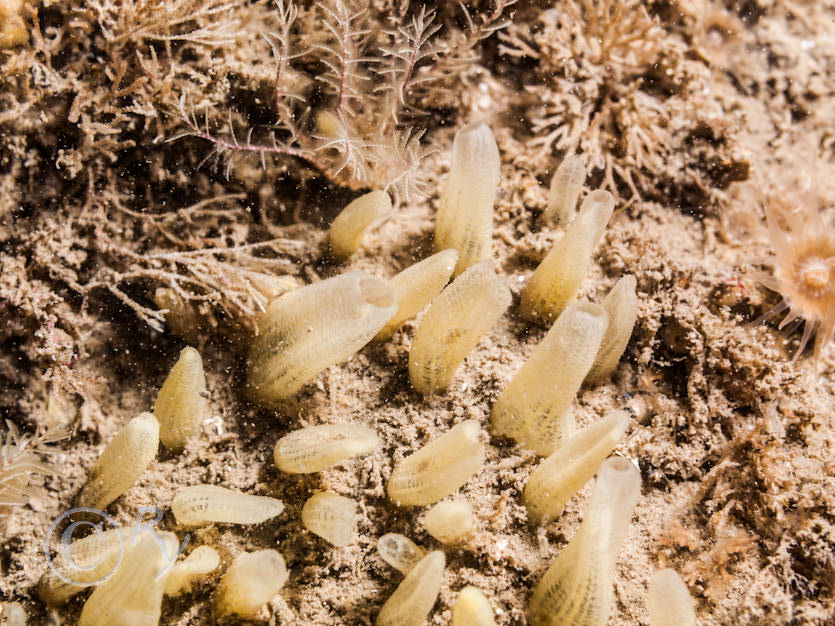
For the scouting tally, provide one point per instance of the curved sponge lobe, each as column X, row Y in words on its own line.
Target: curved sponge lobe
column 311, row 328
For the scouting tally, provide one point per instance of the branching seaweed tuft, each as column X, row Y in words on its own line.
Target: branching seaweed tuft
column 608, row 82
column 357, row 120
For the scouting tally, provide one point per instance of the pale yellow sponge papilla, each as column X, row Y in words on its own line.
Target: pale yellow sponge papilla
column 465, row 211
column 249, row 583
column 311, row 328
column 578, row 588
column 439, row 468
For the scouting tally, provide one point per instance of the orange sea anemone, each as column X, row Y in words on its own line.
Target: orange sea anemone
column 804, row 272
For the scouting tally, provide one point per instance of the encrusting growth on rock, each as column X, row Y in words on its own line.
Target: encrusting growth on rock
column 102, row 220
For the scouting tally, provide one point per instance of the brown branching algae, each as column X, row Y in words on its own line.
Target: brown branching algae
column 175, row 183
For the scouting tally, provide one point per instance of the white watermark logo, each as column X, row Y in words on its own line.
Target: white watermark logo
column 92, row 559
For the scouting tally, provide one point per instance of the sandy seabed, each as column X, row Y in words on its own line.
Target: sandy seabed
column 696, row 116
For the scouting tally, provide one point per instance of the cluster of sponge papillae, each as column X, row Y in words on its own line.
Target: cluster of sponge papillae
column 308, row 329
column 585, row 343
column 472, row 324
